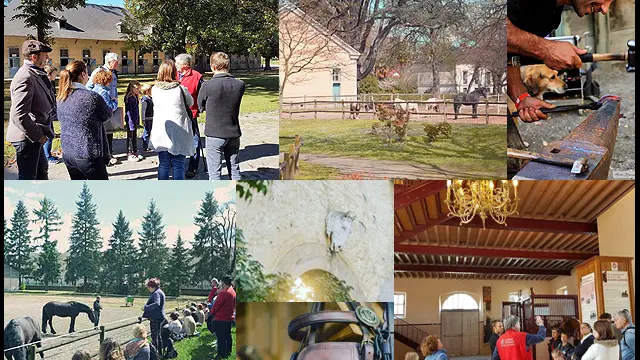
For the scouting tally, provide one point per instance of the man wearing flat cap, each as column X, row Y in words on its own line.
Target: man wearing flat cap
column 33, row 106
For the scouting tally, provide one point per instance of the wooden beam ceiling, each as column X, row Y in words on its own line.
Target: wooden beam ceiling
column 493, row 253
column 481, row 270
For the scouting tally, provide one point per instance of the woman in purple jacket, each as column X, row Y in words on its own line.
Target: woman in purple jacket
column 132, row 119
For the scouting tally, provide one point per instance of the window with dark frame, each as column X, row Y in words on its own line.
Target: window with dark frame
column 156, row 60
column 64, row 57
column 104, row 55
column 141, row 60
column 335, row 74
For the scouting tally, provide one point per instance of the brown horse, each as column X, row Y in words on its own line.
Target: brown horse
column 571, row 327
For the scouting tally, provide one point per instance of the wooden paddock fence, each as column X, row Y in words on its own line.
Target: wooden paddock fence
column 342, row 107
column 384, row 97
column 289, row 166
column 32, row 350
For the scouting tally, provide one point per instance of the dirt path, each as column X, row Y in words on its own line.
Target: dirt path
column 385, row 169
column 258, row 155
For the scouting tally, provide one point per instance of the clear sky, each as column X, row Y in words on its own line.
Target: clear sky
column 178, row 201
column 107, row 2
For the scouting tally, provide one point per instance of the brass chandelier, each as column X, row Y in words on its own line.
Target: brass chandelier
column 485, row 198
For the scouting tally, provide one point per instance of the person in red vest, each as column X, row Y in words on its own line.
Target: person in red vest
column 192, row 80
column 516, row 345
column 214, row 290
column 223, row 317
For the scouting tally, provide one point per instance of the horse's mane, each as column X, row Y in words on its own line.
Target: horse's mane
column 80, row 305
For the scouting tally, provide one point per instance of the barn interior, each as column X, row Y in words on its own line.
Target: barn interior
column 452, row 279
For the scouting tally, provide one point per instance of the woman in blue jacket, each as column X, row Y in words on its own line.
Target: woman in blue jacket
column 154, row 311
column 433, row 349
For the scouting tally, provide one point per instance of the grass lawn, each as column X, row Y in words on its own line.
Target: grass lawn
column 472, row 148
column 261, row 95
column 200, row 347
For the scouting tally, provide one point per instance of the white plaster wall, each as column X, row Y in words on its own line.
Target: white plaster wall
column 617, row 229
column 285, row 231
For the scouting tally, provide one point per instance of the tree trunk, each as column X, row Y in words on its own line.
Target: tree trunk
column 267, row 63
column 435, row 74
column 41, row 26
column 135, row 57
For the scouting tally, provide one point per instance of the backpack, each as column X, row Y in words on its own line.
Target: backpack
column 624, row 338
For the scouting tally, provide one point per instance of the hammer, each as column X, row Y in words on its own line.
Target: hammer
column 629, row 56
column 591, row 106
column 577, row 167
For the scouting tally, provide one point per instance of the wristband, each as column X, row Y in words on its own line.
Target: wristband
column 521, row 97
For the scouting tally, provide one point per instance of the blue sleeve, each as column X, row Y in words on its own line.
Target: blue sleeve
column 495, row 355
column 155, row 303
column 537, row 338
column 630, row 339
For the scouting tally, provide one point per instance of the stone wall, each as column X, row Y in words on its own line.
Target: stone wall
column 285, row 231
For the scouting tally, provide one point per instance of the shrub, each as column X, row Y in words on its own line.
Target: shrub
column 444, row 129
column 431, row 132
column 392, row 121
column 375, row 128
column 23, row 286
column 369, row 85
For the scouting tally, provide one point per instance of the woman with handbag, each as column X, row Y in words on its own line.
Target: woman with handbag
column 172, row 133
column 82, row 113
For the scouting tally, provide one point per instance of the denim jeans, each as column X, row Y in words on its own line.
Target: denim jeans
column 47, row 148
column 219, row 149
column 148, row 124
column 194, row 160
column 167, row 160
column 32, row 164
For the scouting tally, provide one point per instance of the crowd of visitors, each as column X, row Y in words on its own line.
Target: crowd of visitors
column 86, row 105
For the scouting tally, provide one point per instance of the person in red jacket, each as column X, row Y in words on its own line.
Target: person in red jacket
column 516, row 345
column 192, row 80
column 222, row 312
column 214, row 290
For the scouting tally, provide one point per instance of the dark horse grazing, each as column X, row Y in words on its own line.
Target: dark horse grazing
column 20, row 331
column 64, row 309
column 469, row 99
column 571, row 327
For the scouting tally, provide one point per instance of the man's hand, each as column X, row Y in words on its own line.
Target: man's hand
column 529, row 109
column 43, row 139
column 561, row 55
column 539, row 321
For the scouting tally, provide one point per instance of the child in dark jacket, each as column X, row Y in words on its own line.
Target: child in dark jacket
column 132, row 119
column 147, row 115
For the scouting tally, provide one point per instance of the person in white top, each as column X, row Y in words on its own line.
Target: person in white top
column 175, row 325
column 172, row 133
column 605, row 346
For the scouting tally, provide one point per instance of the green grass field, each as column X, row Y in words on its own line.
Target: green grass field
column 201, row 347
column 472, row 148
column 261, row 95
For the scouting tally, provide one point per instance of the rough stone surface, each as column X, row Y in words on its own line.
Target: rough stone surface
column 286, row 232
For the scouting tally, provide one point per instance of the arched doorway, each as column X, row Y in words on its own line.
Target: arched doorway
column 460, row 324
column 320, row 285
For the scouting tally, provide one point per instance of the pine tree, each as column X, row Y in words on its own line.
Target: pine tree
column 179, row 269
column 213, row 260
column 120, row 271
column 49, row 268
column 7, row 241
column 153, row 251
column 18, row 254
column 83, row 261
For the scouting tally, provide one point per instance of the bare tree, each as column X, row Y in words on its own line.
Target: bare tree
column 227, row 225
column 305, row 49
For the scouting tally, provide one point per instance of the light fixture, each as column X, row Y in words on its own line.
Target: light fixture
column 485, row 198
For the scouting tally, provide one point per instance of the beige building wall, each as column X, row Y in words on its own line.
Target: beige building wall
column 571, row 283
column 75, row 48
column 425, row 297
column 285, row 231
column 617, row 230
column 300, row 43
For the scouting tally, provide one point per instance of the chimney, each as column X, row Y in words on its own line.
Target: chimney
column 62, row 22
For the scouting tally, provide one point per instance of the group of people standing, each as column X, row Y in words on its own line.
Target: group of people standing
column 220, row 319
column 85, row 104
column 608, row 339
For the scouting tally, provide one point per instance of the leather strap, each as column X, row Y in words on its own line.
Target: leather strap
column 317, row 318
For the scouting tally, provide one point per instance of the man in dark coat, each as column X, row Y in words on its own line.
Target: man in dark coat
column 498, row 329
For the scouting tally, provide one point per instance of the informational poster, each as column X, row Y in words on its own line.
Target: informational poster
column 588, row 299
column 616, row 291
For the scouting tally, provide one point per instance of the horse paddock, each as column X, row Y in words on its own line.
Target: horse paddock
column 114, row 309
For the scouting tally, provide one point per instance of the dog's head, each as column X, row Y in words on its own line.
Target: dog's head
column 540, row 79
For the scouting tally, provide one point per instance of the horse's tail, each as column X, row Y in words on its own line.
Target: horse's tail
column 45, row 317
